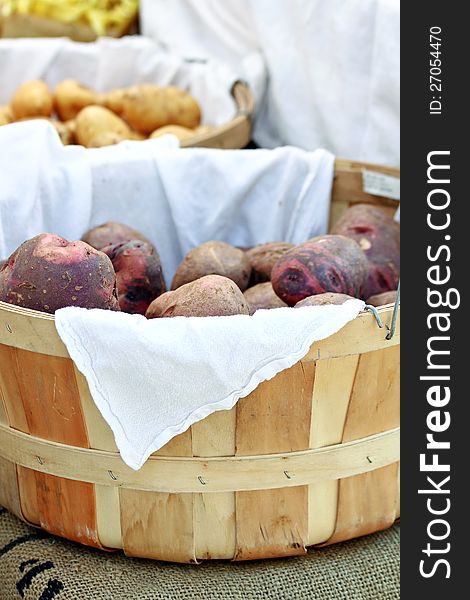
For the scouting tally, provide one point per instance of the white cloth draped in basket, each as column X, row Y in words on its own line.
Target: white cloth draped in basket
column 152, row 379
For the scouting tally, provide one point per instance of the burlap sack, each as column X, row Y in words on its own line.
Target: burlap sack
column 36, row 566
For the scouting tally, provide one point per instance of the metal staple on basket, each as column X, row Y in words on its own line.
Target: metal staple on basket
column 393, row 323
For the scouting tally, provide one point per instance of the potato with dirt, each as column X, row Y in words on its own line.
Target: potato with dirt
column 111, row 233
column 6, row 116
column 262, row 259
column 383, row 298
column 209, row 296
column 378, row 235
column 328, row 263
column 114, row 100
column 70, row 97
column 138, row 274
column 213, row 258
column 324, row 300
column 94, row 122
column 32, row 99
column 47, row 273
column 148, row 107
column 262, row 296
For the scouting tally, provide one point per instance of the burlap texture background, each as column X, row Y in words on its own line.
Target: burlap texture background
column 36, row 566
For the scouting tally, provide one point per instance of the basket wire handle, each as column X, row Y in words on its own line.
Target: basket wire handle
column 393, row 323
column 374, row 311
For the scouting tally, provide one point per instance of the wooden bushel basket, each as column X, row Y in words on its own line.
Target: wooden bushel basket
column 309, row 458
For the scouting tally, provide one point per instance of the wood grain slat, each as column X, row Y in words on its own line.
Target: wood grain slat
column 46, row 389
column 334, row 379
column 369, row 502
column 156, row 524
column 274, row 418
column 9, row 492
column 214, row 513
column 100, row 436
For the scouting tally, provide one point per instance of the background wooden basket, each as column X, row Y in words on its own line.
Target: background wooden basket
column 310, row 457
column 234, row 134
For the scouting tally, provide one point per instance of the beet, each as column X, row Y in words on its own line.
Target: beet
column 138, row 274
column 262, row 295
column 329, row 263
column 381, row 299
column 208, row 296
column 47, row 273
column 324, row 299
column 378, row 235
column 213, row 258
column 111, row 233
column 262, row 259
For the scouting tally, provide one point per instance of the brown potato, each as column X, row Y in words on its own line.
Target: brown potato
column 213, row 258
column 182, row 133
column 111, row 233
column 262, row 296
column 209, row 296
column 71, row 125
column 6, row 115
column 263, row 258
column 70, row 97
column 324, row 299
column 93, row 122
column 114, row 100
column 65, row 134
column 383, row 298
column 105, row 138
column 32, row 99
column 148, row 107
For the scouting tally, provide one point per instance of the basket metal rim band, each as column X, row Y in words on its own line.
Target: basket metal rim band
column 193, row 475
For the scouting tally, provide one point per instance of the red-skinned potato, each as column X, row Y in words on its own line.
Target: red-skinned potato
column 111, row 233
column 329, row 263
column 263, row 258
column 384, row 298
column 324, row 300
column 209, row 296
column 262, row 296
column 47, row 273
column 138, row 274
column 213, row 258
column 378, row 235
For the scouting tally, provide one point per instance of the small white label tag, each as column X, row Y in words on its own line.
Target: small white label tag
column 380, row 184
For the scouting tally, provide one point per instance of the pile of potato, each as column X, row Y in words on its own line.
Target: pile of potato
column 115, row 267
column 82, row 116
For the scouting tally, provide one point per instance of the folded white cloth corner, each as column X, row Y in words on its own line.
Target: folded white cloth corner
column 152, row 379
